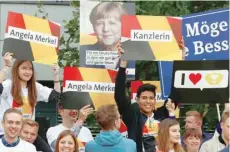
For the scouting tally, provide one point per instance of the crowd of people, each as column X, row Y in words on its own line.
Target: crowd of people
column 149, row 129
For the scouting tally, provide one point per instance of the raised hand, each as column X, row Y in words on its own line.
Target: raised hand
column 84, row 112
column 183, row 48
column 170, row 106
column 123, row 63
column 55, row 69
column 119, row 49
column 181, row 43
column 8, row 59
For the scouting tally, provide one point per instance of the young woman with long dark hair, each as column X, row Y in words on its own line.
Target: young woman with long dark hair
column 22, row 91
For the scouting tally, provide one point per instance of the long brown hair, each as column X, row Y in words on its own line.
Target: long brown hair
column 16, row 85
column 163, row 136
column 64, row 134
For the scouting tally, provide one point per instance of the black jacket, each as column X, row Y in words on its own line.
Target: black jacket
column 41, row 145
column 132, row 116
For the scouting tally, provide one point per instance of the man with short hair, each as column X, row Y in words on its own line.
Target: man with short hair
column 194, row 120
column 141, row 118
column 29, row 133
column 12, row 125
column 218, row 143
column 73, row 120
column 110, row 139
column 29, row 130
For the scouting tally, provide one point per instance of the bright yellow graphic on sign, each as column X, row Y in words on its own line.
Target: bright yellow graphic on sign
column 214, row 78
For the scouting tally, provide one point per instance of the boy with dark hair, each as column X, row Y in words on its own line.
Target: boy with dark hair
column 141, row 118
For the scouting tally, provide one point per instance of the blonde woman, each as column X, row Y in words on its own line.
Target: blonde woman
column 169, row 136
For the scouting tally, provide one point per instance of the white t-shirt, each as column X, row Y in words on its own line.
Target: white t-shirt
column 84, row 135
column 23, row 146
column 6, row 100
column 157, row 150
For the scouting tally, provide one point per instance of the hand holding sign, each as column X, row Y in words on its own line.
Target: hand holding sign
column 119, row 49
column 170, row 106
column 123, row 63
column 84, row 112
column 8, row 59
column 55, row 69
column 183, row 48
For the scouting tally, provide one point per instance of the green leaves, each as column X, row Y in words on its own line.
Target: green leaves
column 147, row 70
column 69, row 45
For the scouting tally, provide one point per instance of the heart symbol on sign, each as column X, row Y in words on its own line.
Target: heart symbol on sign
column 194, row 78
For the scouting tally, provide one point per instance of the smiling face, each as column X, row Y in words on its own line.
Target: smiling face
column 147, row 102
column 225, row 126
column 108, row 30
column 66, row 144
column 174, row 134
column 12, row 125
column 25, row 71
column 192, row 143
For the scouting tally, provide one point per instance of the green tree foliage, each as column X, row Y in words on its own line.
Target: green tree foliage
column 69, row 52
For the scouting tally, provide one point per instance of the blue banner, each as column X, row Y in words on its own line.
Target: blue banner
column 165, row 72
column 206, row 37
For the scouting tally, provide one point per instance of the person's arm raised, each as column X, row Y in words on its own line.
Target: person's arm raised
column 8, row 62
column 57, row 85
column 47, row 94
column 123, row 102
column 84, row 112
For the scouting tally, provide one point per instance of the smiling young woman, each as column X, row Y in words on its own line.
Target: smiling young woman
column 22, row 92
column 192, row 139
column 169, row 136
column 66, row 142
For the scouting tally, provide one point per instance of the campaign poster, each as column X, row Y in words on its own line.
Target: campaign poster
column 151, row 38
column 100, row 32
column 206, row 35
column 31, row 38
column 83, row 88
column 200, row 82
